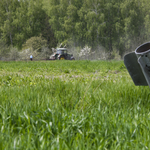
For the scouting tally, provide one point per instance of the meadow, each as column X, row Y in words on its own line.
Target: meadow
column 72, row 105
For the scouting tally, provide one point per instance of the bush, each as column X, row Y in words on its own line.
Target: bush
column 115, row 55
column 36, row 43
column 14, row 54
column 4, row 50
column 44, row 54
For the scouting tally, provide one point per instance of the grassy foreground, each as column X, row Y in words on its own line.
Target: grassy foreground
column 69, row 105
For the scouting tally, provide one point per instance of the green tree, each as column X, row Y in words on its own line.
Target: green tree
column 145, row 34
column 94, row 18
column 54, row 11
column 133, row 19
column 8, row 8
column 21, row 20
column 36, row 43
column 63, row 17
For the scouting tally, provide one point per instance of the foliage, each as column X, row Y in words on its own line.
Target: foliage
column 36, row 43
column 114, row 55
column 14, row 54
column 114, row 25
column 44, row 54
column 22, row 20
column 85, row 52
column 4, row 49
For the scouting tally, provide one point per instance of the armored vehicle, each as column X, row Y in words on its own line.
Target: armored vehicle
column 138, row 64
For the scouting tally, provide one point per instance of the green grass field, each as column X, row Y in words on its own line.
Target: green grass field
column 72, row 105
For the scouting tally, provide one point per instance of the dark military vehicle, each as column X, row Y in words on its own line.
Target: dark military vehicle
column 138, row 64
column 61, row 54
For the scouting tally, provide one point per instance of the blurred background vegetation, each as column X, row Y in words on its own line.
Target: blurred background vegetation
column 110, row 28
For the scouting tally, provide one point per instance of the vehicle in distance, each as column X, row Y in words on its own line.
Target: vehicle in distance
column 61, row 54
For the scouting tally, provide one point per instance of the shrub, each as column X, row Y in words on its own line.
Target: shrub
column 115, row 55
column 36, row 43
column 14, row 54
column 4, row 49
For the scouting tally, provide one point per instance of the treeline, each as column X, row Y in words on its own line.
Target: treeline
column 119, row 25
